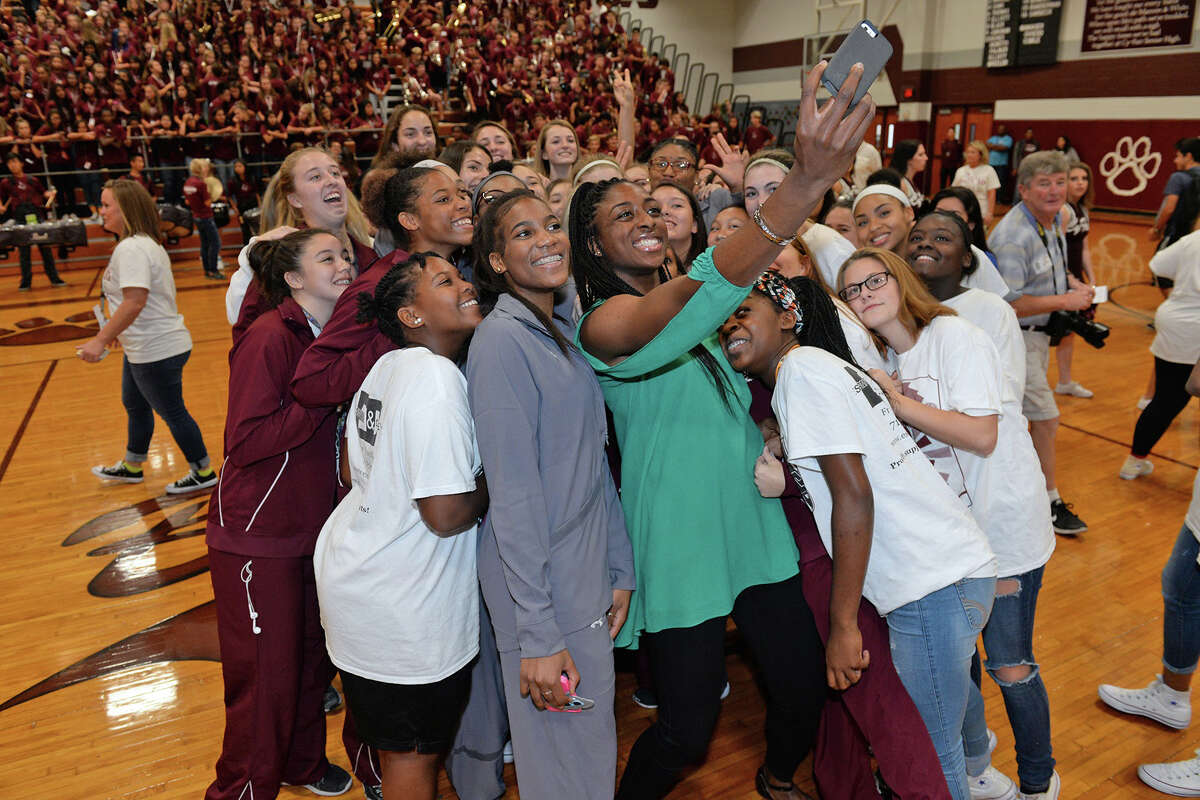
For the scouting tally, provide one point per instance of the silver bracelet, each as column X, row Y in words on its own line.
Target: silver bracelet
column 767, row 232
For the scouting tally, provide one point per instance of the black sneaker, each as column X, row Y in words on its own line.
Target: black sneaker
column 118, row 472
column 193, row 482
column 214, row 276
column 333, row 699
column 373, row 792
column 645, row 698
column 1064, row 520
column 336, row 781
column 59, row 283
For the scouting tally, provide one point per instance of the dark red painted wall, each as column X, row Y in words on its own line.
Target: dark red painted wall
column 1095, row 139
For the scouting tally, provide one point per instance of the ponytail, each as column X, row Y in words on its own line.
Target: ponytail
column 272, row 259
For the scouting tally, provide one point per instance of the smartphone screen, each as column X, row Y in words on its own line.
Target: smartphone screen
column 865, row 45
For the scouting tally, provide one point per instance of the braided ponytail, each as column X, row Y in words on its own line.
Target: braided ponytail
column 822, row 321
column 394, row 291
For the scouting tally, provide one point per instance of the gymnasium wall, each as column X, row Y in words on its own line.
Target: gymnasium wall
column 697, row 27
column 1122, row 110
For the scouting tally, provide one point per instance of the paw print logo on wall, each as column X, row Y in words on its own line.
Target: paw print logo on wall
column 1133, row 158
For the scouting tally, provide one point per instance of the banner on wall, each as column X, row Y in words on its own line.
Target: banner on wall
column 1135, row 24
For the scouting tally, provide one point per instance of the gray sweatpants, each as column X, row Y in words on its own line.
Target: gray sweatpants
column 475, row 764
column 563, row 755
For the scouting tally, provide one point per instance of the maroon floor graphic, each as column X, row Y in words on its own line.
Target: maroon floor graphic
column 189, row 636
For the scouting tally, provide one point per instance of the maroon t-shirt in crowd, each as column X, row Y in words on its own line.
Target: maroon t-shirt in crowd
column 195, row 194
column 20, row 191
column 756, row 137
column 143, row 180
column 114, row 154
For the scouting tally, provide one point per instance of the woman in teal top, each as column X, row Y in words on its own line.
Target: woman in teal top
column 705, row 543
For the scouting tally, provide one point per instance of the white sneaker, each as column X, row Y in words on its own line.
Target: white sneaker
column 1135, row 468
column 1073, row 388
column 1180, row 778
column 992, row 785
column 1157, row 701
column 1051, row 792
column 508, row 753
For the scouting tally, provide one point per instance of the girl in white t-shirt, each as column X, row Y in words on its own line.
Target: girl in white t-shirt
column 978, row 176
column 140, row 292
column 962, row 404
column 395, row 562
column 895, row 532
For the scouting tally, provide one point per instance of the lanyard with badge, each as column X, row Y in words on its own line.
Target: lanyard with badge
column 1045, row 239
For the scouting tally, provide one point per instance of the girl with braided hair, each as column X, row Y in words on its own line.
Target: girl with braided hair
column 894, row 529
column 555, row 563
column 395, row 561
column 673, row 401
column 277, row 485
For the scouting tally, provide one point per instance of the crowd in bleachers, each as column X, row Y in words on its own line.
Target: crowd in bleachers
column 88, row 85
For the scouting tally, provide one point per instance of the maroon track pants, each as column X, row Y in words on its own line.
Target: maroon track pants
column 274, row 679
column 877, row 711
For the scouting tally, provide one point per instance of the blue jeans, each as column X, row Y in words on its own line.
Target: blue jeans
column 91, row 183
column 1181, row 605
column 158, row 386
column 1008, row 638
column 933, row 639
column 210, row 243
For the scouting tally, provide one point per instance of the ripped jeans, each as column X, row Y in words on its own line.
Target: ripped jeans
column 933, row 640
column 1008, row 638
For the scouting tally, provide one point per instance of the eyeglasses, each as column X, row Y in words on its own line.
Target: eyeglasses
column 680, row 164
column 873, row 281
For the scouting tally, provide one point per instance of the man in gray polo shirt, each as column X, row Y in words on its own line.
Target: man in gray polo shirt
column 1031, row 251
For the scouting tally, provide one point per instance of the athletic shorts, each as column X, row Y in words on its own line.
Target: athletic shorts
column 1038, row 403
column 403, row 718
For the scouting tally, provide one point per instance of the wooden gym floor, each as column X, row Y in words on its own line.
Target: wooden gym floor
column 108, row 678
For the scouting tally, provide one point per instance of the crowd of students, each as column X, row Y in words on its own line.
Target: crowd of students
column 481, row 413
column 89, row 88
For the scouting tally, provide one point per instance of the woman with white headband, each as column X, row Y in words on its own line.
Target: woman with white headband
column 884, row 216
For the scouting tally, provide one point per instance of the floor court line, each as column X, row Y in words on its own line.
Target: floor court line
column 37, row 396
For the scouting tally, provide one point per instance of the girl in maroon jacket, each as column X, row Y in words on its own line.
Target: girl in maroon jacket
column 278, row 484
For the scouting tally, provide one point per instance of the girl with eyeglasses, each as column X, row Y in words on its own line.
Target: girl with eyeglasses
column 892, row 526
column 1005, row 498
column 651, row 342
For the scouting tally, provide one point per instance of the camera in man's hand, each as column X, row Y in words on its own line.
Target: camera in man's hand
column 1062, row 323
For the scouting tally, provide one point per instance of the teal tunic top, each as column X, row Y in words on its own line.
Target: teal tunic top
column 701, row 533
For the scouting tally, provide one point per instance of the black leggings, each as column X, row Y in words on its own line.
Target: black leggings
column 689, row 674
column 1170, row 397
